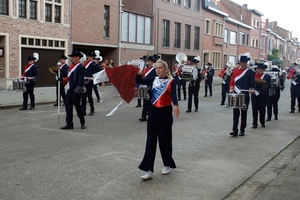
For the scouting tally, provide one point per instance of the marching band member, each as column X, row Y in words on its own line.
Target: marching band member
column 194, row 87
column 260, row 96
column 75, row 79
column 139, row 100
column 209, row 74
column 63, row 70
column 90, row 69
column 294, row 75
column 29, row 76
column 242, row 79
column 149, row 71
column 274, row 97
column 179, row 81
column 225, row 74
column 160, row 120
column 95, row 87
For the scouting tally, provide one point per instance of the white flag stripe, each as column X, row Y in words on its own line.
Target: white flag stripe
column 118, row 107
column 100, row 77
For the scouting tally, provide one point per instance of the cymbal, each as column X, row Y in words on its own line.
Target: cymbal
column 262, row 81
column 53, row 69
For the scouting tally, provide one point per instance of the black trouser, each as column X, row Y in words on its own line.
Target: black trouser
column 225, row 90
column 208, row 84
column 295, row 94
column 273, row 103
column 159, row 126
column 96, row 92
column 73, row 98
column 193, row 91
column 237, row 112
column 62, row 92
column 259, row 104
column 181, row 83
column 89, row 94
column 146, row 107
column 28, row 90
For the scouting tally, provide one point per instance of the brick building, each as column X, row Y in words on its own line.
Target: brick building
column 32, row 26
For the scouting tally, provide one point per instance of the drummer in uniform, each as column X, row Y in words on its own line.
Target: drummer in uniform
column 194, row 87
column 149, row 71
column 260, row 96
column 63, row 70
column 242, row 79
column 273, row 98
column 225, row 75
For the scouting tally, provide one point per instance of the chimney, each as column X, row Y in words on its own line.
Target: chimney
column 245, row 5
column 275, row 24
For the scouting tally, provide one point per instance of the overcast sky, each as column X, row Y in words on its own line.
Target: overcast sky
column 286, row 12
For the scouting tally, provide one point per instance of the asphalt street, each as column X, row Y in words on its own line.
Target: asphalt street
column 38, row 160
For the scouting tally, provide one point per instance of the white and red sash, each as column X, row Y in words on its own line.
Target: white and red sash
column 72, row 69
column 236, row 89
column 87, row 64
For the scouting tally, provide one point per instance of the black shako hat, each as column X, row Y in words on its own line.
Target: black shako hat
column 261, row 66
column 244, row 59
column 91, row 53
column 63, row 57
column 31, row 58
column 144, row 57
column 151, row 58
column 76, row 53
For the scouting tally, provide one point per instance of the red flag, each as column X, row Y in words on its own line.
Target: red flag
column 123, row 78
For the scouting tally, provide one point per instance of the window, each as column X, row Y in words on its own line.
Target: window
column 177, row 35
column 166, row 33
column 254, row 42
column 197, row 38
column 187, row 39
column 177, row 2
column 242, row 38
column 207, row 27
column 136, row 28
column 3, row 7
column 232, row 37
column 106, row 21
column 226, row 35
column 217, row 60
column 53, row 11
column 219, row 27
column 33, row 10
column 42, row 42
column 22, row 8
column 187, row 3
column 255, row 22
column 262, row 43
column 197, row 5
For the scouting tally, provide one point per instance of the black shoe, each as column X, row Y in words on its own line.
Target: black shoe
column 92, row 113
column 82, row 126
column 184, row 99
column 98, row 100
column 292, row 111
column 276, row 118
column 205, row 96
column 143, row 119
column 269, row 119
column 210, row 95
column 188, row 111
column 31, row 108
column 234, row 134
column 263, row 126
column 254, row 126
column 196, row 110
column 23, row 108
column 67, row 126
column 137, row 106
column 242, row 133
column 178, row 99
column 222, row 104
column 63, row 104
column 56, row 104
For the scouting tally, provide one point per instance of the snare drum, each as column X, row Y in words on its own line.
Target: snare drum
column 187, row 72
column 236, row 100
column 143, row 92
column 18, row 84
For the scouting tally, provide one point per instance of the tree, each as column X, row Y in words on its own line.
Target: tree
column 274, row 56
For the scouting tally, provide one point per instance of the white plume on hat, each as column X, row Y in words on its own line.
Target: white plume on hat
column 97, row 52
column 36, row 55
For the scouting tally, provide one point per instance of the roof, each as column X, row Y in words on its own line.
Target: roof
column 209, row 5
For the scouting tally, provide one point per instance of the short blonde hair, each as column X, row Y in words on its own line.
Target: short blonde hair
column 166, row 67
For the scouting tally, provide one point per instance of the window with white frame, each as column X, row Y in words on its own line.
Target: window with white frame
column 226, row 35
column 27, row 9
column 207, row 27
column 219, row 29
column 166, row 33
column 187, row 39
column 255, row 22
column 187, row 3
column 53, row 11
column 216, row 59
column 106, row 21
column 197, row 5
column 232, row 37
column 178, row 2
column 197, row 38
column 254, row 42
column 3, row 7
column 136, row 28
column 242, row 38
column 177, row 30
